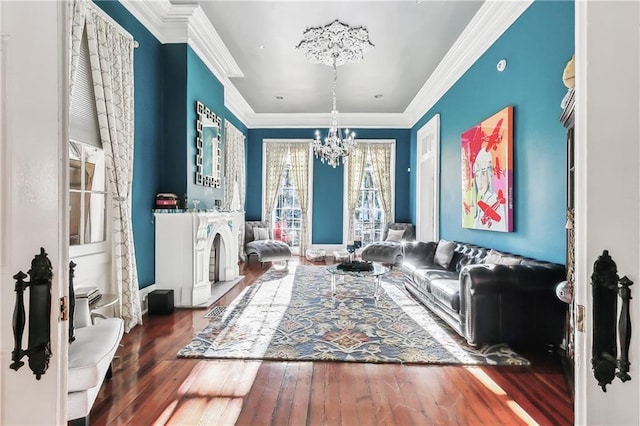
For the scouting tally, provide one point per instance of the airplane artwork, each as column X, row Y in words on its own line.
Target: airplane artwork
column 490, row 213
column 487, row 173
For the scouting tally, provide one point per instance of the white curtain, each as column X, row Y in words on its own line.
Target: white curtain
column 234, row 191
column 300, row 170
column 234, row 187
column 355, row 172
column 275, row 162
column 381, row 161
column 111, row 55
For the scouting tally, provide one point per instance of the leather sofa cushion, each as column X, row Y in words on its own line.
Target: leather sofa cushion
column 447, row 292
column 423, row 277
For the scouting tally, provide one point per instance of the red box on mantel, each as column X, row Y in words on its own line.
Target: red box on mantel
column 165, row 200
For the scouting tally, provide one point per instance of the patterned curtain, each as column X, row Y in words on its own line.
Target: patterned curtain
column 275, row 161
column 111, row 56
column 234, row 191
column 381, row 161
column 355, row 172
column 77, row 19
column 300, row 170
column 234, row 187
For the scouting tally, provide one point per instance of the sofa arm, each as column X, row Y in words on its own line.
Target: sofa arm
column 515, row 304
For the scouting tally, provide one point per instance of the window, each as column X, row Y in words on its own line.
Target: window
column 87, row 194
column 369, row 217
column 87, row 168
column 287, row 215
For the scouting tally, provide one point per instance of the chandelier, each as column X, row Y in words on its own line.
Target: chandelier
column 334, row 44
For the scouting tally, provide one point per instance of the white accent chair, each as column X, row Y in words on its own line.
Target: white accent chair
column 90, row 356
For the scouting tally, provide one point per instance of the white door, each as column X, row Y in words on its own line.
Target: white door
column 33, row 195
column 428, row 180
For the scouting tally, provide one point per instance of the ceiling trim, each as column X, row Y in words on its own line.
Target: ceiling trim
column 187, row 23
column 322, row 120
column 489, row 23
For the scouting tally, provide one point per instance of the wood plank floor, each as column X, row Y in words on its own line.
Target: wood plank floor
column 151, row 385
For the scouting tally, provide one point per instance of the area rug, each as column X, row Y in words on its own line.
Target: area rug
column 292, row 315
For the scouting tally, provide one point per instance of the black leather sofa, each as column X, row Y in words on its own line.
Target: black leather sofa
column 486, row 296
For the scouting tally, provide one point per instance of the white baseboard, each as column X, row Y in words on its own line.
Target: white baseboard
column 144, row 292
column 328, row 248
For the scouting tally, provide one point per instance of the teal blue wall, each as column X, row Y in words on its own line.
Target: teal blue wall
column 148, row 134
column 168, row 80
column 328, row 183
column 202, row 86
column 537, row 47
column 173, row 155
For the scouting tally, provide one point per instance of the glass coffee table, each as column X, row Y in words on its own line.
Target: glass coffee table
column 376, row 274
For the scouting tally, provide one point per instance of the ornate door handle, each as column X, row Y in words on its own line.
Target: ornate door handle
column 39, row 350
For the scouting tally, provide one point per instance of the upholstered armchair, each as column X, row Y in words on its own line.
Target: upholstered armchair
column 390, row 248
column 258, row 242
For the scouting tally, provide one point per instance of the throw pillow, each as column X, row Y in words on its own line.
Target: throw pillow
column 444, row 253
column 492, row 257
column 260, row 234
column 497, row 258
column 395, row 235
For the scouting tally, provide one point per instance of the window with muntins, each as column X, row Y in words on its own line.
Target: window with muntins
column 369, row 220
column 87, row 194
column 286, row 216
column 87, row 167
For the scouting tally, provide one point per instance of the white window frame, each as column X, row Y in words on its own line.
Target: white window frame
column 263, row 213
column 345, row 210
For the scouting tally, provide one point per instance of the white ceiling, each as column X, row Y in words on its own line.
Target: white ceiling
column 410, row 39
column 421, row 49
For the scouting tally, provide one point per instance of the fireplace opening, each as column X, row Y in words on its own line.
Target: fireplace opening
column 214, row 260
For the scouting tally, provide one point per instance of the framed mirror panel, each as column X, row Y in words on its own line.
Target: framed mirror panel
column 209, row 150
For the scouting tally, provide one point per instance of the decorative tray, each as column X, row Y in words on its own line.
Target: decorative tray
column 356, row 266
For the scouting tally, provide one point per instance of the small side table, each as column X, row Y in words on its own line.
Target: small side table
column 104, row 301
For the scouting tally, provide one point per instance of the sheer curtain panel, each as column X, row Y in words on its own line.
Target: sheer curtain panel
column 300, row 170
column 355, row 172
column 381, row 161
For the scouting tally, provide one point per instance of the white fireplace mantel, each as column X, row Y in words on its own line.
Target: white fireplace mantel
column 183, row 249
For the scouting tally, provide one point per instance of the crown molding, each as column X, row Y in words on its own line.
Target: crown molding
column 150, row 14
column 490, row 22
column 238, row 105
column 187, row 23
column 322, row 120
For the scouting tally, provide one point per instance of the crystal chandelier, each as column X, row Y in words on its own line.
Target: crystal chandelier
column 333, row 45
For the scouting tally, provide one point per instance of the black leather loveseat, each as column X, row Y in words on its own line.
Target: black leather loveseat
column 486, row 296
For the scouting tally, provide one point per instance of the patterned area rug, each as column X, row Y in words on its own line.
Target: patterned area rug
column 292, row 315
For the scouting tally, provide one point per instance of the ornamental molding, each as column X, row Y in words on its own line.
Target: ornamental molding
column 489, row 23
column 187, row 23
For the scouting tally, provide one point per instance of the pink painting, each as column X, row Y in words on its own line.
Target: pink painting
column 487, row 173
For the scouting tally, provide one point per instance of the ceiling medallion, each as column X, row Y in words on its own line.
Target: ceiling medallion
column 333, row 45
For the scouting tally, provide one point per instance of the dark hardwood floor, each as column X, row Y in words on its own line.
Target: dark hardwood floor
column 151, row 385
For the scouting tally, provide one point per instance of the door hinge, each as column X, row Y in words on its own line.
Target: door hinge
column 64, row 308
